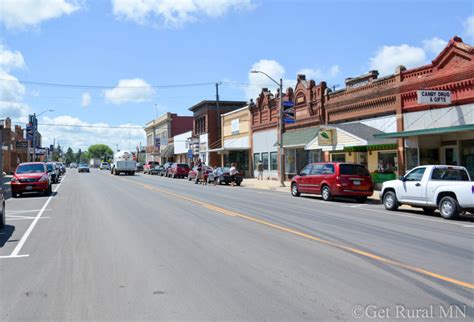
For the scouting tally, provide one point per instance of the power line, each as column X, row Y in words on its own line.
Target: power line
column 88, row 126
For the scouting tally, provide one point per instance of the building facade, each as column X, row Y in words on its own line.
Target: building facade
column 14, row 146
column 207, row 128
column 159, row 134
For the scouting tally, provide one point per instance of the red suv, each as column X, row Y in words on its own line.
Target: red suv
column 333, row 179
column 178, row 170
column 31, row 177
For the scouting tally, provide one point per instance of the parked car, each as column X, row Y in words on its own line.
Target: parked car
column 221, row 175
column 178, row 170
column 430, row 187
column 139, row 167
column 166, row 166
column 193, row 173
column 53, row 171
column 83, row 167
column 73, row 165
column 149, row 166
column 104, row 166
column 3, row 216
column 31, row 177
column 333, row 179
column 156, row 170
column 62, row 168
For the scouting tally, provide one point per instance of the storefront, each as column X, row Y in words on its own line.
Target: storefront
column 265, row 151
column 182, row 144
column 355, row 143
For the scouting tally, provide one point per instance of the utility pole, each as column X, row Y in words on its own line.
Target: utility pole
column 281, row 131
column 34, row 137
column 218, row 112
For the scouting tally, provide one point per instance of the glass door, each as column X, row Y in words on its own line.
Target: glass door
column 449, row 155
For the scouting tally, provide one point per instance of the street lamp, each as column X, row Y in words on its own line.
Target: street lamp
column 34, row 131
column 280, row 125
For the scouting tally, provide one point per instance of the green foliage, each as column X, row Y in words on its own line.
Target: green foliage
column 70, row 157
column 100, row 151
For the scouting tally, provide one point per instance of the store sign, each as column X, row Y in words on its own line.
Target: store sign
column 326, row 137
column 235, row 126
column 433, row 97
column 40, row 151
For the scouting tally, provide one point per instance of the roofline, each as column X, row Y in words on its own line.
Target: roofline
column 194, row 107
column 237, row 110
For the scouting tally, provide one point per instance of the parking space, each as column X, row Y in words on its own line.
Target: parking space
column 22, row 215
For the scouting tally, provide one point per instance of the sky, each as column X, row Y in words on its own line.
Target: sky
column 131, row 60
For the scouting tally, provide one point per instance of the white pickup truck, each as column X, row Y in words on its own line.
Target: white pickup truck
column 444, row 187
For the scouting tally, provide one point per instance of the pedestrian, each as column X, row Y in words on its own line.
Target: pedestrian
column 198, row 170
column 260, row 170
column 203, row 174
column 233, row 172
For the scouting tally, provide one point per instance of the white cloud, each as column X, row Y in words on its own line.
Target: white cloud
column 17, row 111
column 387, row 58
column 257, row 81
column 83, row 134
column 175, row 13
column 18, row 14
column 10, row 88
column 319, row 74
column 469, row 26
column 134, row 90
column 434, row 45
column 11, row 59
column 86, row 99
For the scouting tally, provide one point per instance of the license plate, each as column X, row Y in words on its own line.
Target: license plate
column 356, row 182
column 29, row 188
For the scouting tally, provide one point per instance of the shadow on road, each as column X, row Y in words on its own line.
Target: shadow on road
column 5, row 234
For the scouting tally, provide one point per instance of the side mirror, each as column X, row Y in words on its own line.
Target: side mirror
column 301, row 174
column 401, row 178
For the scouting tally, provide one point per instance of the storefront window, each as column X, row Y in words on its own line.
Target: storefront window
column 338, row 157
column 387, row 162
column 273, row 161
column 429, row 156
column 265, row 160
column 467, row 156
column 411, row 155
column 301, row 159
column 256, row 160
column 315, row 156
column 290, row 161
column 239, row 157
column 362, row 158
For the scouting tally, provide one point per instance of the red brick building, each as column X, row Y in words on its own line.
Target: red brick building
column 15, row 148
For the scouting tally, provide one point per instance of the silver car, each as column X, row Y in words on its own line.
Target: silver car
column 2, row 214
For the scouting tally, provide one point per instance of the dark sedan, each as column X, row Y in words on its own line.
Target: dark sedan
column 156, row 170
column 222, row 175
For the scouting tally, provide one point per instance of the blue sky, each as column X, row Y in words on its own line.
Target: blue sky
column 126, row 43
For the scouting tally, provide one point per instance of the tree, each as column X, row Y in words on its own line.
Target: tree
column 70, row 157
column 100, row 151
column 77, row 157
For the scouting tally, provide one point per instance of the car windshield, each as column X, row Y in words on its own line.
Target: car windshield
column 83, row 165
column 353, row 169
column 225, row 169
column 30, row 168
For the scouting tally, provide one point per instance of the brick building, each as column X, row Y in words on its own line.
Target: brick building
column 207, row 128
column 14, row 146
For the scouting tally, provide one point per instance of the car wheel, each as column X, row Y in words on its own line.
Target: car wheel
column 449, row 208
column 326, row 193
column 238, row 184
column 2, row 217
column 294, row 190
column 48, row 191
column 429, row 211
column 189, row 178
column 361, row 199
column 390, row 201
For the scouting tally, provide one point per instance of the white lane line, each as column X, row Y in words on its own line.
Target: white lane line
column 468, row 226
column 24, row 211
column 33, row 224
column 10, row 218
column 16, row 256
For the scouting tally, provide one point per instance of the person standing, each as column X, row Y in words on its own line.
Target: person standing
column 233, row 172
column 260, row 170
column 198, row 170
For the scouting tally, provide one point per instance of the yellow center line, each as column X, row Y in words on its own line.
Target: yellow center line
column 307, row 236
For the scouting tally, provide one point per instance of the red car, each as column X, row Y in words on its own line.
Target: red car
column 31, row 177
column 193, row 173
column 333, row 179
column 178, row 170
column 149, row 166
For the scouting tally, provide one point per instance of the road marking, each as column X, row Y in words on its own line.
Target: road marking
column 314, row 238
column 16, row 256
column 10, row 218
column 24, row 211
column 468, row 226
column 35, row 221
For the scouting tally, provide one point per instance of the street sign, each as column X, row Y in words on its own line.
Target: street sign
column 21, row 144
column 40, row 151
column 433, row 97
column 190, row 154
column 288, row 112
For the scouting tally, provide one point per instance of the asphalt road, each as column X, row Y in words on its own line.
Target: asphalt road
column 148, row 248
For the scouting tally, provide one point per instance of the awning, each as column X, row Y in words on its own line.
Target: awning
column 437, row 130
column 168, row 151
column 298, row 138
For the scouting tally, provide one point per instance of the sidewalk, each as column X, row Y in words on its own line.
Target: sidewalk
column 274, row 185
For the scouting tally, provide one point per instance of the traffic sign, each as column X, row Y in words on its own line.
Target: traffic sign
column 190, row 154
column 288, row 104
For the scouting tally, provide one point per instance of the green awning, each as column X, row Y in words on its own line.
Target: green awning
column 437, row 130
column 298, row 138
